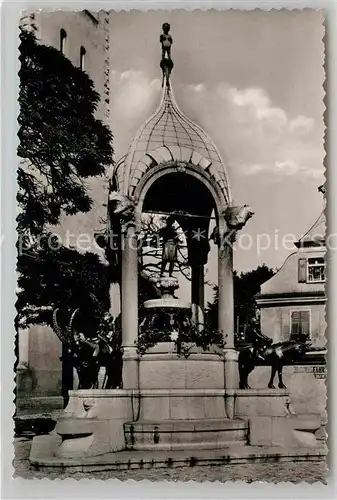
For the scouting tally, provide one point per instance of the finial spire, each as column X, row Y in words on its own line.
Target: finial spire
column 166, row 62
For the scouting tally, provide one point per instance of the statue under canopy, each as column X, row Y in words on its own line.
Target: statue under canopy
column 170, row 245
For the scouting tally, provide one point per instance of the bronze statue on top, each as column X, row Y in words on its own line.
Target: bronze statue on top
column 166, row 41
column 166, row 62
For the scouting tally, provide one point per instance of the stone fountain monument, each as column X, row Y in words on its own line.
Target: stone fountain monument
column 169, row 402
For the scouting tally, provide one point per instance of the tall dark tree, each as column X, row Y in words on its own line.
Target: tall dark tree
column 62, row 143
column 246, row 286
column 62, row 278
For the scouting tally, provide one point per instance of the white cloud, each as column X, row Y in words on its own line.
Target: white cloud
column 302, row 125
column 200, row 87
column 254, row 169
column 288, row 167
column 280, row 169
column 133, row 91
column 258, row 103
column 315, row 174
column 255, row 136
column 249, row 97
column 134, row 97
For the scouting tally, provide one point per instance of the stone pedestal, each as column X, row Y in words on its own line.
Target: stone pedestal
column 271, row 421
column 130, row 368
column 99, row 423
column 231, row 368
column 173, row 387
column 182, row 404
column 162, row 368
column 260, row 402
column 92, row 424
column 306, row 385
column 266, row 411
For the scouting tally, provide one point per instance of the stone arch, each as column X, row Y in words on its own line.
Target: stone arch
column 167, row 168
column 173, row 157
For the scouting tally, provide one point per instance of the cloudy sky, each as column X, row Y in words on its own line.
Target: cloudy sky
column 253, row 81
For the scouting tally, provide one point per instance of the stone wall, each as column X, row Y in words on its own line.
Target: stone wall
column 39, row 374
column 306, row 384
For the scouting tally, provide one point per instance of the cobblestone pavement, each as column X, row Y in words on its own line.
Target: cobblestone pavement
column 294, row 472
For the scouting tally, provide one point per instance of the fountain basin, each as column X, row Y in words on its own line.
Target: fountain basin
column 169, row 302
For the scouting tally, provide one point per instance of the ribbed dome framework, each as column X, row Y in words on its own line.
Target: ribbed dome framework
column 169, row 136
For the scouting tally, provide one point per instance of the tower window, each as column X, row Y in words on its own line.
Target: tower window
column 63, row 38
column 82, row 57
column 316, row 269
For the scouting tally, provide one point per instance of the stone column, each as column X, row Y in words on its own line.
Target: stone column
column 198, row 294
column 23, row 340
column 226, row 313
column 129, row 307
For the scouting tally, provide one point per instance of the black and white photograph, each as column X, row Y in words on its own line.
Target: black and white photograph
column 171, row 246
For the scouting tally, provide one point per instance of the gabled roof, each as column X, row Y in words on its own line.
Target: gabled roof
column 315, row 236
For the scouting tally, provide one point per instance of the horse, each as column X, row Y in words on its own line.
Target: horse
column 88, row 355
column 269, row 354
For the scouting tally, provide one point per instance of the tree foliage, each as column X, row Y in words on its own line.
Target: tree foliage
column 246, row 286
column 62, row 143
column 185, row 338
column 62, row 278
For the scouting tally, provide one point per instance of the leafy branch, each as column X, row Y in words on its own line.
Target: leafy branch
column 197, row 335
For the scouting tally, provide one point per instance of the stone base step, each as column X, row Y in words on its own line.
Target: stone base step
column 42, row 459
column 185, row 434
column 206, row 445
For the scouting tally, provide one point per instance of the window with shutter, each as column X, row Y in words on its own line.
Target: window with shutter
column 302, row 270
column 300, row 325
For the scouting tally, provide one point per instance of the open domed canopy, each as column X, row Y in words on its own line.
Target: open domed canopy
column 172, row 169
column 169, row 137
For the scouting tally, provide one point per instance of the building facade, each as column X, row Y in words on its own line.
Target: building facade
column 293, row 306
column 292, row 303
column 83, row 37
